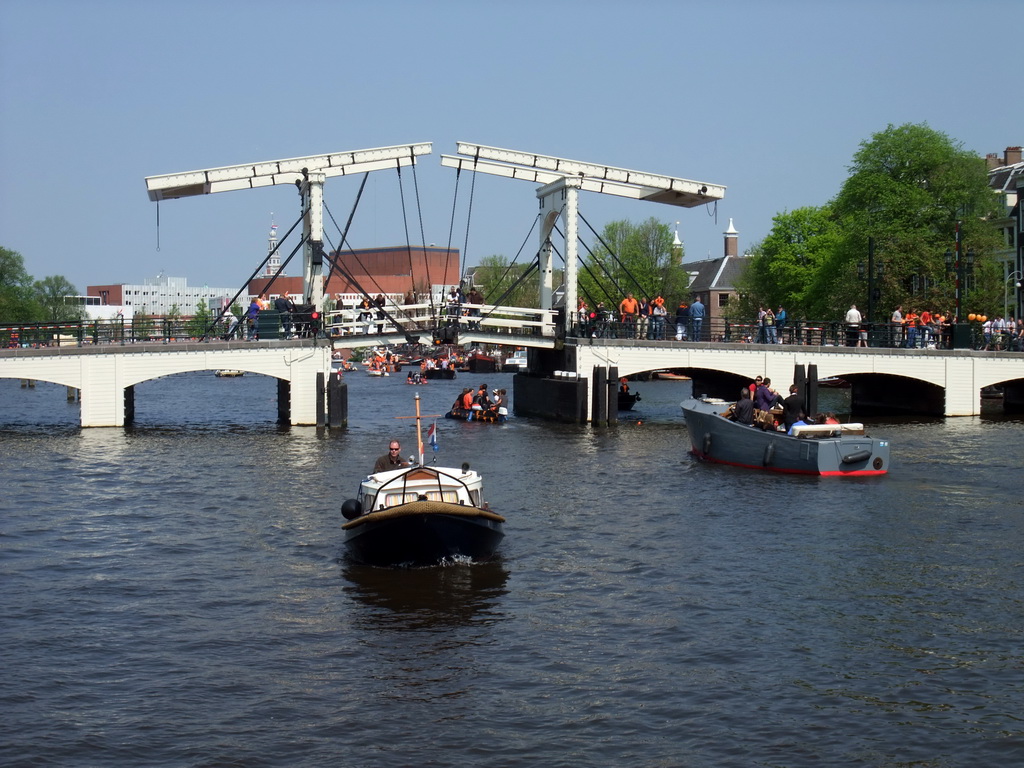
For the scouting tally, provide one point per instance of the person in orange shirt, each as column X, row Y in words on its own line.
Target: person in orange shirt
column 911, row 322
column 925, row 323
column 628, row 309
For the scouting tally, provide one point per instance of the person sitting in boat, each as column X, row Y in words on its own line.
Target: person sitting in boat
column 390, row 460
column 800, row 422
column 500, row 402
column 481, row 402
column 624, row 385
column 463, row 402
column 743, row 411
column 826, row 418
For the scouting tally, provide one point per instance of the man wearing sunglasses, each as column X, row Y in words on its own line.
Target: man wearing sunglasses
column 390, row 460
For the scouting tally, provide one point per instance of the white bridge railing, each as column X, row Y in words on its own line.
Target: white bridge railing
column 486, row 318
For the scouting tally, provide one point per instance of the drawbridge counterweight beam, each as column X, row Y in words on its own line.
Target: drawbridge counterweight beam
column 308, row 173
column 560, row 182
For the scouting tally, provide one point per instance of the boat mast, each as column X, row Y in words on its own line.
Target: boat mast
column 419, row 432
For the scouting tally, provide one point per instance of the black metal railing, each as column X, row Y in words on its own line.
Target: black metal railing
column 802, row 332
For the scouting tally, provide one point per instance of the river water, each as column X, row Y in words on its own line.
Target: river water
column 177, row 594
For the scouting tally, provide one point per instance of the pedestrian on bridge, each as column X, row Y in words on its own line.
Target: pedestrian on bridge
column 628, row 310
column 251, row 316
column 682, row 320
column 696, row 317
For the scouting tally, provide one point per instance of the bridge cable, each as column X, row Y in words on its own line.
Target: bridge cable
column 597, row 281
column 224, row 309
column 625, row 269
column 262, row 264
column 512, row 263
column 348, row 225
column 469, row 216
column 423, row 240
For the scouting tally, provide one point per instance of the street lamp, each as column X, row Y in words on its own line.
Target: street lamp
column 873, row 272
column 1018, row 276
column 962, row 267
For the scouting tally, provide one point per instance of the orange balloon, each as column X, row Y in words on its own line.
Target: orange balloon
column 971, row 317
column 983, row 318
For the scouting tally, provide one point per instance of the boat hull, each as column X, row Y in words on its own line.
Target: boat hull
column 440, row 373
column 628, row 400
column 717, row 439
column 424, row 533
column 488, row 416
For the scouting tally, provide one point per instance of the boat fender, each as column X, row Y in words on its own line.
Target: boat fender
column 465, row 467
column 769, row 454
column 856, row 457
column 707, row 443
column 351, row 509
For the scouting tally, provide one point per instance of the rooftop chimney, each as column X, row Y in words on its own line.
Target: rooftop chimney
column 731, row 240
column 1012, row 156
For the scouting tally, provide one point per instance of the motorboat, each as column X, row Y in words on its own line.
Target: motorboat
column 228, row 373
column 671, row 376
column 421, row 515
column 516, row 363
column 834, row 450
column 440, row 373
column 488, row 415
column 627, row 400
column 480, row 362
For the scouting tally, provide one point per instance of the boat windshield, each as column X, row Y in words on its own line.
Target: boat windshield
column 407, row 497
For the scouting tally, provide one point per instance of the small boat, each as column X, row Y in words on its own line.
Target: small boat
column 627, row 400
column 489, row 416
column 670, row 376
column 478, row 362
column 228, row 373
column 834, row 382
column 836, row 450
column 516, row 363
column 440, row 373
column 421, row 515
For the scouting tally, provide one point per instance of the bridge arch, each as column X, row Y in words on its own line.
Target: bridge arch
column 940, row 382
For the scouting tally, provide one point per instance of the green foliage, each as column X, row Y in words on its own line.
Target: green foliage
column 17, row 301
column 785, row 268
column 500, row 282
column 143, row 325
column 632, row 258
column 51, row 294
column 196, row 325
column 24, row 300
column 908, row 187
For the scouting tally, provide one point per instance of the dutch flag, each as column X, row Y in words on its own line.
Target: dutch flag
column 432, row 435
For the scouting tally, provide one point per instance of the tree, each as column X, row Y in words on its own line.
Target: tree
column 632, row 258
column 784, row 267
column 51, row 294
column 17, row 303
column 199, row 322
column 500, row 281
column 909, row 186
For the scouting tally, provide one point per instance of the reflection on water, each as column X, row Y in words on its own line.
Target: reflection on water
column 428, row 599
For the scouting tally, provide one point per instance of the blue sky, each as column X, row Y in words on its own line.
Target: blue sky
column 769, row 99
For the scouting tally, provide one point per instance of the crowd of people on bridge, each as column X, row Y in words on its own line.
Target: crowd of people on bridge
column 644, row 318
